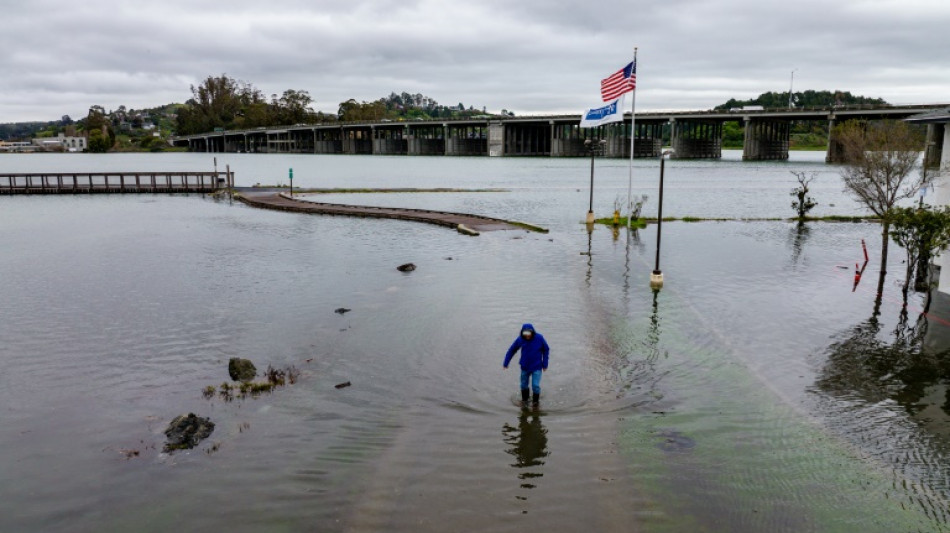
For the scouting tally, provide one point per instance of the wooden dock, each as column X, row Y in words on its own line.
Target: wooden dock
column 114, row 182
column 462, row 222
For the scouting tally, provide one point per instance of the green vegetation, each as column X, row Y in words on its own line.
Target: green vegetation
column 804, row 135
column 923, row 233
column 273, row 378
column 771, row 100
column 637, row 223
column 221, row 102
column 405, row 106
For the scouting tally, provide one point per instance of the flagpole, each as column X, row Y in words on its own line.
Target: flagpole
column 633, row 135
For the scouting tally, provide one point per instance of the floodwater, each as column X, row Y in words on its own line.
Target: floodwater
column 759, row 390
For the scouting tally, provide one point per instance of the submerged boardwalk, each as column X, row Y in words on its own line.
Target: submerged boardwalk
column 464, row 223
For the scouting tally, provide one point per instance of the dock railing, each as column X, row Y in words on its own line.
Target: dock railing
column 114, row 182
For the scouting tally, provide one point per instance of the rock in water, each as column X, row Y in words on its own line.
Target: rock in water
column 241, row 369
column 408, row 267
column 186, row 431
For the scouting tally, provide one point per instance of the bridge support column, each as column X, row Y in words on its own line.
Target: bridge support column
column 835, row 152
column 765, row 140
column 496, row 139
column 528, row 139
column 567, row 140
column 328, row 141
column 357, row 141
column 426, row 140
column 694, row 139
column 466, row 140
column 936, row 133
column 390, row 141
column 648, row 144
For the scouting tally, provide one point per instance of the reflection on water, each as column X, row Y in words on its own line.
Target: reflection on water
column 529, row 446
column 688, row 409
column 798, row 236
column 877, row 373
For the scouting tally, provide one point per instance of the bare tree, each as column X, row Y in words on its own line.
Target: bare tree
column 803, row 203
column 879, row 158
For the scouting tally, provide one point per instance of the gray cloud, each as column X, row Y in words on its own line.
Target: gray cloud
column 530, row 56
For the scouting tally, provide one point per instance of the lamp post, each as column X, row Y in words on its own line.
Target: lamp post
column 791, row 82
column 656, row 277
column 592, row 147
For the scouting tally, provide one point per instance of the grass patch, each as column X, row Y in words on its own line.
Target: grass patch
column 841, row 218
column 273, row 378
column 637, row 223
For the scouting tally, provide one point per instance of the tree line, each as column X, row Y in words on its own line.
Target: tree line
column 222, row 102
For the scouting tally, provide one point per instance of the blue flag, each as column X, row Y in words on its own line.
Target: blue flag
column 603, row 115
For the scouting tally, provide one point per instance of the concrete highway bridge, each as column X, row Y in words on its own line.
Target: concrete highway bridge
column 693, row 134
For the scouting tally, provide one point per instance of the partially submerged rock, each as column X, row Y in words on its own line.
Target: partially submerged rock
column 186, row 431
column 408, row 267
column 241, row 369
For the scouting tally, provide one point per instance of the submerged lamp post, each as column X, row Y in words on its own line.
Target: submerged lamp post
column 592, row 147
column 656, row 277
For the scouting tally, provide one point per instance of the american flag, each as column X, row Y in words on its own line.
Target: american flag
column 620, row 82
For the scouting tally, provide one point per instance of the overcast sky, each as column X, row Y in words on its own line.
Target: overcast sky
column 528, row 56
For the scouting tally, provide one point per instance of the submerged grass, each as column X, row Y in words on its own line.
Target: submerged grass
column 637, row 223
column 273, row 378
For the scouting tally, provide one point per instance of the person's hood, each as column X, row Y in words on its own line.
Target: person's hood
column 528, row 327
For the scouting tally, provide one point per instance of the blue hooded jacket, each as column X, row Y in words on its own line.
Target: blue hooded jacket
column 534, row 353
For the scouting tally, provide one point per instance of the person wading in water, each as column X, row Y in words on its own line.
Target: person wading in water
column 534, row 360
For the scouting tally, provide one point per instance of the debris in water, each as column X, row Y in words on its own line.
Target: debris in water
column 341, row 310
column 186, row 431
column 408, row 267
column 129, row 453
column 343, row 385
column 674, row 441
column 241, row 369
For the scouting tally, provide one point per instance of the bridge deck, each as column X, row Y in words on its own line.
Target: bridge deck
column 459, row 221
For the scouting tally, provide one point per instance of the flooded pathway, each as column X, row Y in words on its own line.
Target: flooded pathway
column 465, row 223
column 759, row 390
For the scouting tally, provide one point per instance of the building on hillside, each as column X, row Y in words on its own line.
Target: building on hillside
column 61, row 143
column 16, row 146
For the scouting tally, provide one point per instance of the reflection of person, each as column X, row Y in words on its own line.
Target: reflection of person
column 534, row 360
column 529, row 441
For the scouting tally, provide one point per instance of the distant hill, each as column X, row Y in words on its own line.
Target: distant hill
column 24, row 131
column 802, row 99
